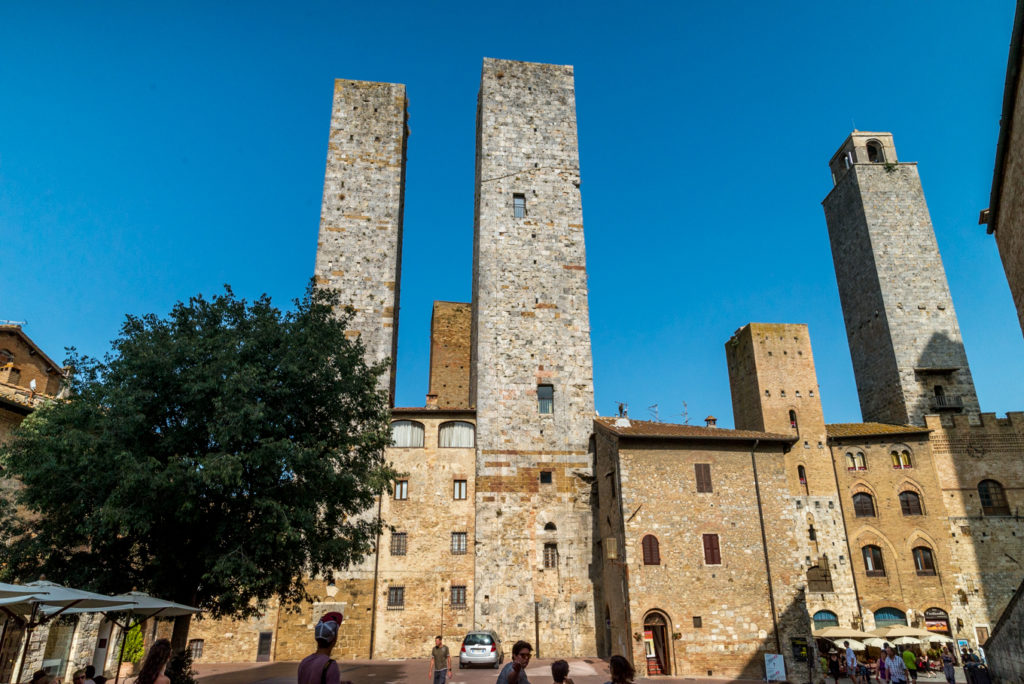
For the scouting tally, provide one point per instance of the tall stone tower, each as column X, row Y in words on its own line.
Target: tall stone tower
column 775, row 389
column 359, row 253
column 908, row 356
column 532, row 377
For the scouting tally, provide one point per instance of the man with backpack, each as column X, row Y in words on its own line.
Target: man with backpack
column 319, row 667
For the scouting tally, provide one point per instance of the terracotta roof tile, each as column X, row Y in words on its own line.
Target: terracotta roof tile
column 646, row 428
column 872, row 429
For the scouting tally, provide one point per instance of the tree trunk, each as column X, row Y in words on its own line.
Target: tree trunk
column 179, row 637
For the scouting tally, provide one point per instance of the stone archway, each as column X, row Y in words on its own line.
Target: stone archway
column 658, row 643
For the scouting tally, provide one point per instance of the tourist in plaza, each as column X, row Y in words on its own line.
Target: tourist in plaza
column 622, row 672
column 851, row 662
column 910, row 661
column 515, row 671
column 947, row 665
column 560, row 672
column 895, row 667
column 319, row 667
column 152, row 670
column 833, row 666
column 440, row 662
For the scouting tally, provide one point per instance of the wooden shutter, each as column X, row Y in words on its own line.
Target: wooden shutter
column 652, row 554
column 712, row 554
column 703, row 473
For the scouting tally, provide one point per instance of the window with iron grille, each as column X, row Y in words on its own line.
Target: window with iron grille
column 519, row 205
column 459, row 489
column 396, row 598
column 196, row 647
column 458, row 596
column 863, row 505
column 910, row 503
column 651, row 549
column 546, row 398
column 459, row 543
column 398, row 543
column 401, row 490
column 993, row 498
column 551, row 555
column 703, row 474
column 712, row 552
column 873, row 564
column 924, row 562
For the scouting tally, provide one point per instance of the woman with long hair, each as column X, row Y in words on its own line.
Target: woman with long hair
column 153, row 666
column 622, row 672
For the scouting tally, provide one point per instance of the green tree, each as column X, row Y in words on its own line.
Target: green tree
column 215, row 457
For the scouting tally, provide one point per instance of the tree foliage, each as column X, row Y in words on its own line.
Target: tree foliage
column 215, row 457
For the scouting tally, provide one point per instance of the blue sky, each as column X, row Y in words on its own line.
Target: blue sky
column 151, row 151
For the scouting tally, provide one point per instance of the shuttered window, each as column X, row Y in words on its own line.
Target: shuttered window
column 910, row 503
column 863, row 505
column 652, row 555
column 712, row 554
column 703, row 473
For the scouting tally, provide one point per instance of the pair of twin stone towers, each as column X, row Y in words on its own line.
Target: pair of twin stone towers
column 530, row 320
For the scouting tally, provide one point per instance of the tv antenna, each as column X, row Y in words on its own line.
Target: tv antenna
column 685, row 414
column 623, row 409
column 653, row 410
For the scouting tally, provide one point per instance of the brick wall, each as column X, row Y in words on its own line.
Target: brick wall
column 450, row 354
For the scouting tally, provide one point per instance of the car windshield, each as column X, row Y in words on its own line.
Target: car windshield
column 478, row 640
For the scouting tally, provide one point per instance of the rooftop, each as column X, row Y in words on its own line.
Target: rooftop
column 650, row 429
column 872, row 430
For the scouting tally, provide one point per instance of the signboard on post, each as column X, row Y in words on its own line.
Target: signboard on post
column 774, row 667
column 799, row 645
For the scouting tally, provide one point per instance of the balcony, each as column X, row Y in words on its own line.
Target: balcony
column 947, row 402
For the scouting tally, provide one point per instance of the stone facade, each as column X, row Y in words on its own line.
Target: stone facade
column 908, row 355
column 450, row 354
column 531, row 334
column 359, row 253
column 707, row 614
column 1005, row 656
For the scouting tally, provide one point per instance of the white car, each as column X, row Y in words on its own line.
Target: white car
column 481, row 648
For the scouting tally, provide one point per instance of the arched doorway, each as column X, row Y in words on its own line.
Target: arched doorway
column 656, row 643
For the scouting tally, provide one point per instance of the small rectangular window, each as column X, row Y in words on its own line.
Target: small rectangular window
column 551, row 555
column 401, row 490
column 196, row 646
column 519, row 205
column 459, row 543
column 458, row 596
column 398, row 543
column 703, row 473
column 546, row 398
column 459, row 489
column 712, row 554
column 698, row 622
column 396, row 598
column 545, row 477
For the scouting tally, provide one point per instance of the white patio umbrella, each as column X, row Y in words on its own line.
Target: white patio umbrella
column 8, row 590
column 907, row 640
column 139, row 607
column 30, row 607
column 940, row 637
column 854, row 644
column 875, row 642
column 839, row 633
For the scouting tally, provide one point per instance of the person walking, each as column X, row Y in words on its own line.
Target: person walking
column 833, row 666
column 947, row 665
column 153, row 666
column 851, row 663
column 515, row 671
column 895, row 667
column 910, row 660
column 560, row 672
column 440, row 667
column 318, row 667
column 621, row 671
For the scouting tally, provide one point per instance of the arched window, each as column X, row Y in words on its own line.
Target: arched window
column 873, row 564
column 652, row 552
column 802, row 474
column 910, row 503
column 887, row 617
column 900, row 459
column 454, row 434
column 407, row 433
column 993, row 498
column 863, row 505
column 850, row 463
column 924, row 562
column 875, row 153
column 550, row 527
column 859, row 461
column 792, row 420
column 825, row 618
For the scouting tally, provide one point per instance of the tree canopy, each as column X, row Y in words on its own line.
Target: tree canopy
column 214, row 457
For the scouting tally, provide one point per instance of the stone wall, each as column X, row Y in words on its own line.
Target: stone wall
column 359, row 252
column 900, row 321
column 531, row 328
column 450, row 354
column 1003, row 649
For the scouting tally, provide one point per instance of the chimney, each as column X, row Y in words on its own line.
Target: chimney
column 432, row 401
column 710, row 421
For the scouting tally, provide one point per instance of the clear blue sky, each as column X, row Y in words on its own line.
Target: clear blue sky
column 151, row 151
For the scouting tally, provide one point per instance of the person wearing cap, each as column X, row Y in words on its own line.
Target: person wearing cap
column 319, row 667
column 440, row 662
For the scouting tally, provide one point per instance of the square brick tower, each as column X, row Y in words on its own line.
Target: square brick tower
column 532, row 380
column 359, row 253
column 774, row 388
column 908, row 356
